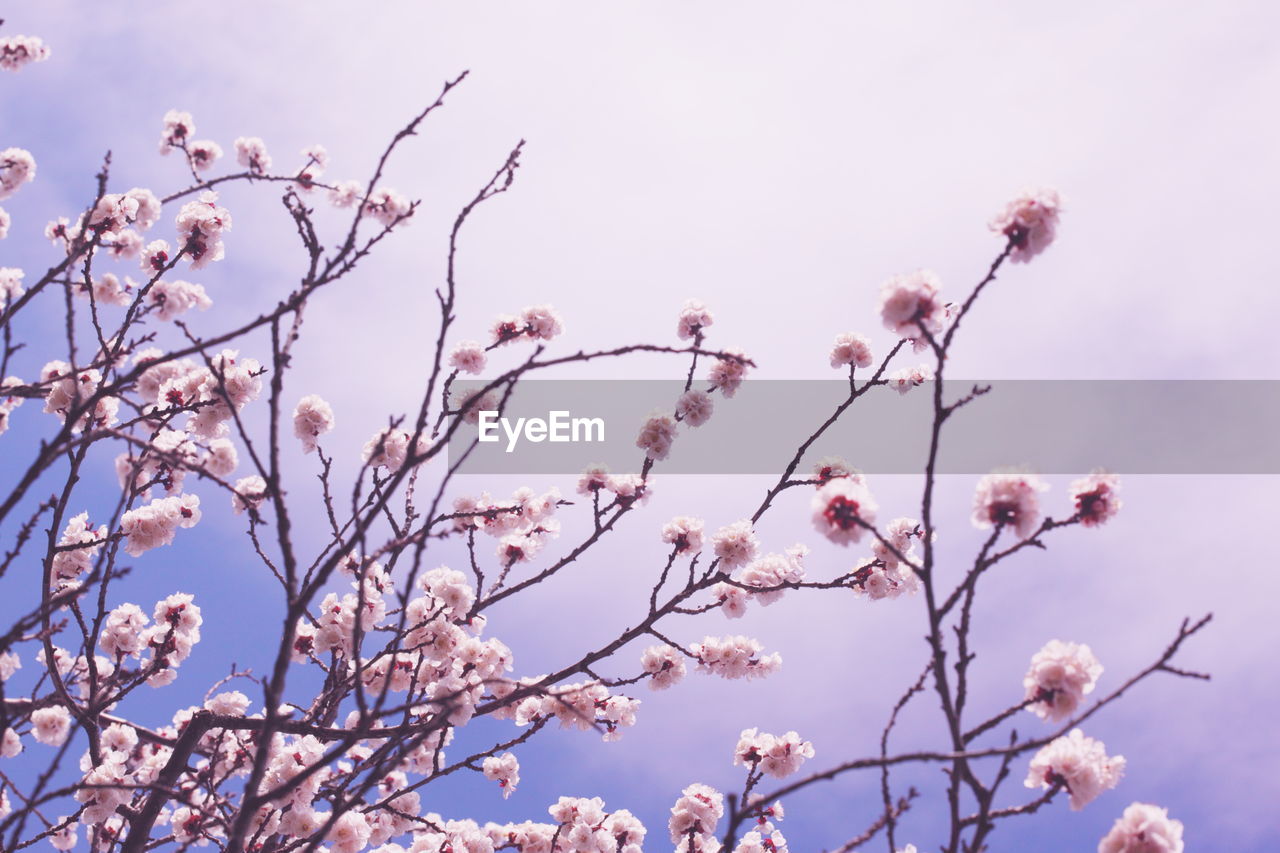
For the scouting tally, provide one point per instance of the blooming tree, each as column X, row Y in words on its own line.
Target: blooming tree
column 401, row 649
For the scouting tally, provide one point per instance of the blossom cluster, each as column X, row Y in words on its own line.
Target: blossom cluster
column 1009, row 500
column 1096, row 498
column 312, row 418
column 17, row 167
column 503, row 769
column 890, row 571
column 535, row 323
column 390, row 448
column 523, row 525
column 694, row 818
column 1143, row 828
column 911, row 306
column 78, row 547
column 693, row 321
column 735, row 545
column 844, row 510
column 1061, row 675
column 200, row 225
column 166, row 643
column 735, row 657
column 906, row 378
column 627, row 489
column 1029, row 221
column 17, row 51
column 684, row 534
column 776, row 755
column 765, row 837
column 155, row 524
column 664, row 665
column 213, row 393
column 852, row 350
column 71, row 392
column 202, row 222
column 115, row 223
column 763, row 580
column 694, row 406
column 8, row 400
column 1078, row 764
column 581, row 705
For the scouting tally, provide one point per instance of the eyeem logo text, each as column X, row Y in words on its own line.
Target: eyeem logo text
column 559, row 426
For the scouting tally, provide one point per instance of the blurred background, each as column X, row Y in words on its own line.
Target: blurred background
column 777, row 164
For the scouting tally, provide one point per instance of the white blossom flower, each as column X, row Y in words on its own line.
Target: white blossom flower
column 1143, row 828
column 1030, row 221
column 1009, row 499
column 843, row 509
column 312, row 418
column 51, row 726
column 694, row 319
column 910, row 303
column 1079, row 764
column 657, row 436
column 18, row 51
column 851, row 349
column 251, row 152
column 1061, row 675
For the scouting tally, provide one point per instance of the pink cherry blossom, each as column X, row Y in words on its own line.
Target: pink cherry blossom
column 684, row 533
column 201, row 224
column 776, row 755
column 851, row 349
column 664, row 664
column 834, row 467
column 122, row 635
column 842, row 510
column 155, row 524
column 346, row 194
column 906, row 378
column 727, row 374
column 18, row 51
column 1030, row 221
column 387, row 206
column 154, row 256
column 694, row 319
column 251, row 152
column 51, row 726
column 1010, row 500
column 468, row 357
column 1079, row 764
column 1143, row 828
column 169, row 299
column 734, row 657
column 178, row 129
column 503, row 769
column 694, row 407
column 911, row 302
column 1061, row 675
column 17, row 167
column 735, row 544
column 541, row 322
column 389, row 448
column 697, row 812
column 250, row 493
column 657, row 435
column 1096, row 499
column 312, row 418
column 203, row 154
